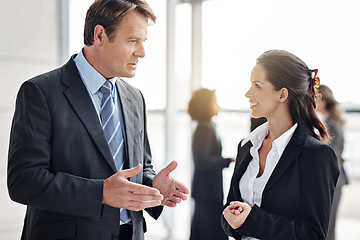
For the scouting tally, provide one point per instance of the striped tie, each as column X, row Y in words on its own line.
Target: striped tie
column 110, row 121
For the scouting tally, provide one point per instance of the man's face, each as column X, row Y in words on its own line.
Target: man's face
column 121, row 55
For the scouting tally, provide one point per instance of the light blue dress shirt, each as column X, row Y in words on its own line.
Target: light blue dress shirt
column 93, row 81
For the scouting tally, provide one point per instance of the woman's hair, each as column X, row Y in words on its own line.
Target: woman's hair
column 331, row 105
column 285, row 70
column 109, row 13
column 200, row 104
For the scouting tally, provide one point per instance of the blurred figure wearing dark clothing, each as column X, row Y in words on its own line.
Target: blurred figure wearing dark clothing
column 330, row 113
column 207, row 184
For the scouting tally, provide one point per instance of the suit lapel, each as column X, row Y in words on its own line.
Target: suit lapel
column 289, row 155
column 79, row 99
column 244, row 159
column 129, row 119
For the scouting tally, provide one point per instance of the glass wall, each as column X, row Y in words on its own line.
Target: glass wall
column 322, row 33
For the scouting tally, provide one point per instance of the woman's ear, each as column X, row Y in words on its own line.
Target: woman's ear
column 284, row 94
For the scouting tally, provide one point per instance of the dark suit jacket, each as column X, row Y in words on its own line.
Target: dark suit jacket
column 207, row 184
column 59, row 158
column 296, row 201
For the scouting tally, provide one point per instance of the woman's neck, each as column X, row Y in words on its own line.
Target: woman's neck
column 278, row 126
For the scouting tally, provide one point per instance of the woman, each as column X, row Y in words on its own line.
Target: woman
column 285, row 175
column 207, row 185
column 330, row 112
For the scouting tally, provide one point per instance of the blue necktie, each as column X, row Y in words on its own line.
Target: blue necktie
column 110, row 121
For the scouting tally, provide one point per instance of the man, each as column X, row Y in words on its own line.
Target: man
column 79, row 134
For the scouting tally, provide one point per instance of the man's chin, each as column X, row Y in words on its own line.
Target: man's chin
column 127, row 75
column 130, row 74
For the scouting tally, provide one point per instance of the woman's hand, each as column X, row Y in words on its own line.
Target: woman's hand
column 236, row 213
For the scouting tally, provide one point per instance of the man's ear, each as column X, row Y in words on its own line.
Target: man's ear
column 99, row 35
column 284, row 94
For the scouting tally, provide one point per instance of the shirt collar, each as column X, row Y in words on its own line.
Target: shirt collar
column 92, row 78
column 282, row 141
column 259, row 133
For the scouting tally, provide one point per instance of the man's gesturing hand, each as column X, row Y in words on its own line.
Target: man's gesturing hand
column 172, row 190
column 120, row 193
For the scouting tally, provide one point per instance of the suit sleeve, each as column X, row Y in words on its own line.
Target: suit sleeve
column 148, row 169
column 30, row 179
column 318, row 173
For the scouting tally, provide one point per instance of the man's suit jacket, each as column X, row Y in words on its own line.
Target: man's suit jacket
column 59, row 158
column 207, row 184
column 296, row 200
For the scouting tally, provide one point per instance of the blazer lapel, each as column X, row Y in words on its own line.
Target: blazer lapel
column 287, row 158
column 244, row 157
column 129, row 120
column 79, row 99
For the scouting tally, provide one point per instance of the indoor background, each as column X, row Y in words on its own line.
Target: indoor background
column 213, row 44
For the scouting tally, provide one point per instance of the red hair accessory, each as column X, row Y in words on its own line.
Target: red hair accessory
column 314, row 82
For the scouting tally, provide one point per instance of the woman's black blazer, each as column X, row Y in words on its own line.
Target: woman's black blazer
column 297, row 198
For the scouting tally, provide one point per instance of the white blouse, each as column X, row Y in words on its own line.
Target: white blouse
column 252, row 187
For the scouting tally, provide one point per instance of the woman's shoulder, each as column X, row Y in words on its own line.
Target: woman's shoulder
column 315, row 148
column 311, row 141
column 204, row 125
column 308, row 143
column 204, row 129
column 317, row 156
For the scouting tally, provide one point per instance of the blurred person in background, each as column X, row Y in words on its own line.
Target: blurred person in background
column 330, row 112
column 79, row 154
column 285, row 172
column 207, row 184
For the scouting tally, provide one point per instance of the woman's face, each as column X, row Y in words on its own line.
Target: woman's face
column 264, row 100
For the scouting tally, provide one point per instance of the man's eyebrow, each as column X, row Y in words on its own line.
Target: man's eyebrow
column 137, row 38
